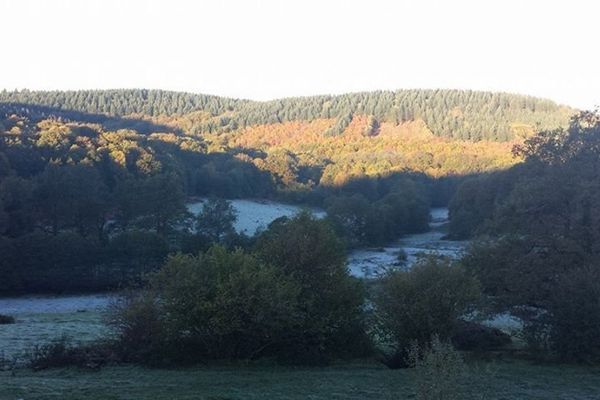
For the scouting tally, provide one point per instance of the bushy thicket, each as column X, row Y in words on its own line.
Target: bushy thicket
column 40, row 262
column 292, row 299
column 217, row 305
column 413, row 306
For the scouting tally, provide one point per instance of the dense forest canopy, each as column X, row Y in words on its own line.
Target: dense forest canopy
column 460, row 114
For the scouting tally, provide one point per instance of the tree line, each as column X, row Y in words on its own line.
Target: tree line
column 459, row 114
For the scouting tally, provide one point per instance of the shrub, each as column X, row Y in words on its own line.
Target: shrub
column 401, row 257
column 217, row 305
column 427, row 300
column 137, row 321
column 440, row 371
column 58, row 353
column 6, row 319
column 330, row 301
column 62, row 353
column 293, row 300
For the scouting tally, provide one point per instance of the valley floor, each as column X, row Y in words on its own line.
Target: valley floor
column 506, row 380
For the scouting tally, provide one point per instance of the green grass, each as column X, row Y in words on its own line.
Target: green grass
column 509, row 380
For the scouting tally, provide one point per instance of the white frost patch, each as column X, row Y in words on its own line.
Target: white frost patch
column 370, row 263
column 253, row 215
column 505, row 322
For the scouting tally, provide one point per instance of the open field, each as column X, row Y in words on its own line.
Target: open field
column 508, row 380
column 41, row 319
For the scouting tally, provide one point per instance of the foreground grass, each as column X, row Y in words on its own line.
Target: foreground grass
column 508, row 380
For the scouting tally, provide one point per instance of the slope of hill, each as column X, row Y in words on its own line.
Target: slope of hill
column 302, row 142
column 459, row 114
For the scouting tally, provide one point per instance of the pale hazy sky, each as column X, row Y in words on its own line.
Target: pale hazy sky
column 268, row 49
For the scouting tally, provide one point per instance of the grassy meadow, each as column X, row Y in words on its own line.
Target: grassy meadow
column 364, row 380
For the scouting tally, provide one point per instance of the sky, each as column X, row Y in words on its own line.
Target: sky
column 265, row 49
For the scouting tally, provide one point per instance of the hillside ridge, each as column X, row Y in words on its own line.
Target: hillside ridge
column 458, row 114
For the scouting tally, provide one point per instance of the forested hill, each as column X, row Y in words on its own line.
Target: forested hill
column 93, row 184
column 458, row 114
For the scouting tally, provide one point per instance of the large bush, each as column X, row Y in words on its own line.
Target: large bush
column 330, row 301
column 426, row 300
column 217, row 305
column 294, row 300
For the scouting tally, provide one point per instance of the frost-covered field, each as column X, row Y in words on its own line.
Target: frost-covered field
column 253, row 215
column 40, row 319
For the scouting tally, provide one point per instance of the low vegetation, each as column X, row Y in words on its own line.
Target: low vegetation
column 426, row 301
column 440, row 371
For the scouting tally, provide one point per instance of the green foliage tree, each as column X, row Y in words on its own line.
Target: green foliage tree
column 216, row 219
column 402, row 210
column 330, row 301
column 217, row 305
column 352, row 216
column 156, row 202
column 426, row 300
